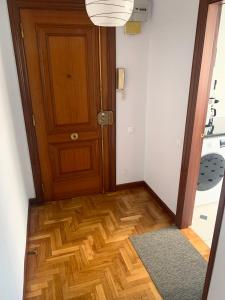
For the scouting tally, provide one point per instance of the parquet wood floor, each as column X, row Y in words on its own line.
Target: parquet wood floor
column 80, row 247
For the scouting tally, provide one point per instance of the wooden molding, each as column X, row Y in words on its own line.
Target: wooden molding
column 129, row 185
column 35, row 202
column 136, row 184
column 111, row 62
column 26, row 250
column 25, row 95
column 160, row 201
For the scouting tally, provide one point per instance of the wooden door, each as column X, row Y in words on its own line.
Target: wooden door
column 64, row 53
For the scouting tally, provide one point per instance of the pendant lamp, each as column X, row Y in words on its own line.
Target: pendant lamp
column 109, row 13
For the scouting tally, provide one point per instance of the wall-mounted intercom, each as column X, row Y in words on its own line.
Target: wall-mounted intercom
column 120, row 78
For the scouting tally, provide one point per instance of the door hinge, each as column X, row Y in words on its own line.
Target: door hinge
column 33, row 120
column 21, row 30
column 105, row 118
column 42, row 185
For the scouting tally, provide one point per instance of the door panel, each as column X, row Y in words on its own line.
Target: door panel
column 65, row 76
column 68, row 65
column 74, row 160
column 62, row 51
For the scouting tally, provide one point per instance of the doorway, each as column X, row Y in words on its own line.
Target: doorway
column 212, row 164
column 66, row 67
column 198, row 127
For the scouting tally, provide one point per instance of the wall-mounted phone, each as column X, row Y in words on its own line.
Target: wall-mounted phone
column 120, row 79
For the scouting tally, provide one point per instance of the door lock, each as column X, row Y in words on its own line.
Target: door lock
column 105, row 118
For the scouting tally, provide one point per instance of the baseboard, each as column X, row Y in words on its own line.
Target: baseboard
column 159, row 200
column 135, row 184
column 35, row 202
column 26, row 250
column 124, row 186
column 129, row 185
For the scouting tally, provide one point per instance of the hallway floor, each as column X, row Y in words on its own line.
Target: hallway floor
column 79, row 248
column 204, row 219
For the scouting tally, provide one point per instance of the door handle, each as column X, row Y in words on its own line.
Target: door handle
column 214, row 112
column 74, row 136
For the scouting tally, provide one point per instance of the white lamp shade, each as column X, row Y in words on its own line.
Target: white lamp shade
column 109, row 13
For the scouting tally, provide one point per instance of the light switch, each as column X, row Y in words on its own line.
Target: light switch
column 131, row 130
column 178, row 143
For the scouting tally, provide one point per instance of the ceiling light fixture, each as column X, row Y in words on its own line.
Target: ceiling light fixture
column 109, row 13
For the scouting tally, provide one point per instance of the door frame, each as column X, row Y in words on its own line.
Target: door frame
column 14, row 7
column 209, row 11
column 202, row 69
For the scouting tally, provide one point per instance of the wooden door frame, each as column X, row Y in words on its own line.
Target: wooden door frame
column 14, row 7
column 197, row 109
column 192, row 148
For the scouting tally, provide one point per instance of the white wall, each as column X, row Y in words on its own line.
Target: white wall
column 217, row 287
column 16, row 185
column 132, row 54
column 172, row 35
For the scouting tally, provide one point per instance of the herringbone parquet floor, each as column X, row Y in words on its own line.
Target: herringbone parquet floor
column 79, row 248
